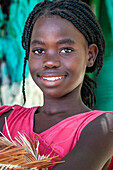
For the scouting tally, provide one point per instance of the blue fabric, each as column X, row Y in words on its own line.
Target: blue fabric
column 10, row 40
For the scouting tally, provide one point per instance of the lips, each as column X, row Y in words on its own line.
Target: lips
column 52, row 80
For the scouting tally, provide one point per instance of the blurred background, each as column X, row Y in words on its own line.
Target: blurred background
column 13, row 14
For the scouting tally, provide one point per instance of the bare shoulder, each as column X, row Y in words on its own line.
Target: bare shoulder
column 102, row 126
column 101, row 130
column 98, row 138
column 102, row 123
column 94, row 148
column 2, row 118
column 107, row 120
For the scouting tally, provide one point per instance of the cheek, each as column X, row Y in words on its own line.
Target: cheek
column 77, row 69
column 34, row 62
column 76, row 64
column 30, row 65
column 33, row 66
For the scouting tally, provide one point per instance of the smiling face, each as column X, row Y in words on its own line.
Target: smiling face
column 58, row 57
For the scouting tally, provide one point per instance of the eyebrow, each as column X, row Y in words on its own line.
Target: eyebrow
column 66, row 41
column 37, row 42
column 63, row 41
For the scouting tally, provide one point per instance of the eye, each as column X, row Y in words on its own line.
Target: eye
column 38, row 51
column 66, row 50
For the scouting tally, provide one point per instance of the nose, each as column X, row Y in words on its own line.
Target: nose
column 51, row 61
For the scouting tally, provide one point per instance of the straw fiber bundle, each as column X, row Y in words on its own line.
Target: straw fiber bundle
column 23, row 153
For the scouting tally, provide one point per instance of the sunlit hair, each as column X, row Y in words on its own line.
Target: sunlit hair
column 82, row 17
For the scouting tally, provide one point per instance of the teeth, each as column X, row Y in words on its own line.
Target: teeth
column 52, row 78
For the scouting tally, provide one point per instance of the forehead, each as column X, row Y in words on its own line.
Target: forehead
column 57, row 26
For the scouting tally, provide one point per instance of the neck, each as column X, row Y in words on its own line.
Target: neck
column 71, row 104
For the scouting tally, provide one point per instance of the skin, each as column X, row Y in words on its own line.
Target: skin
column 58, row 49
column 62, row 51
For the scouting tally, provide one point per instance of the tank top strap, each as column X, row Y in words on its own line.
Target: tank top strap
column 5, row 108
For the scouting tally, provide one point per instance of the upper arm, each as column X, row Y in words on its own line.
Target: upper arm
column 2, row 119
column 94, row 148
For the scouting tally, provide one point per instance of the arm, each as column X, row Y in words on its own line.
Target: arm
column 94, row 148
column 2, row 119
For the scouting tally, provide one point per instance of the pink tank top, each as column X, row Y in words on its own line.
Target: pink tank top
column 60, row 138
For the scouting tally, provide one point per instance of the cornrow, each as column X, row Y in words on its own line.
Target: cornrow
column 82, row 17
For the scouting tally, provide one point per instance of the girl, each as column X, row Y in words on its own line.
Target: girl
column 64, row 42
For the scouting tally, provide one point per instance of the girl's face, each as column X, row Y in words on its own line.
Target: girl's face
column 58, row 56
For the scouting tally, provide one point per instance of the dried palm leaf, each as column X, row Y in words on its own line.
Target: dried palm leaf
column 23, row 153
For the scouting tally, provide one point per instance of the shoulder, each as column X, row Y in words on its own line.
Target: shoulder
column 100, row 127
column 97, row 136
column 95, row 145
column 103, row 123
column 6, row 111
column 96, row 141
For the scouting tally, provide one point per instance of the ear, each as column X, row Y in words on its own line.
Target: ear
column 92, row 54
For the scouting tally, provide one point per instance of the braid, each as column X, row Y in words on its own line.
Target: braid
column 85, row 21
column 23, row 87
column 87, row 91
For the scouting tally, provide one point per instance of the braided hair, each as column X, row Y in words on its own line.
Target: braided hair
column 82, row 17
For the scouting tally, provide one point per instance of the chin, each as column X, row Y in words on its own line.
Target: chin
column 56, row 96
